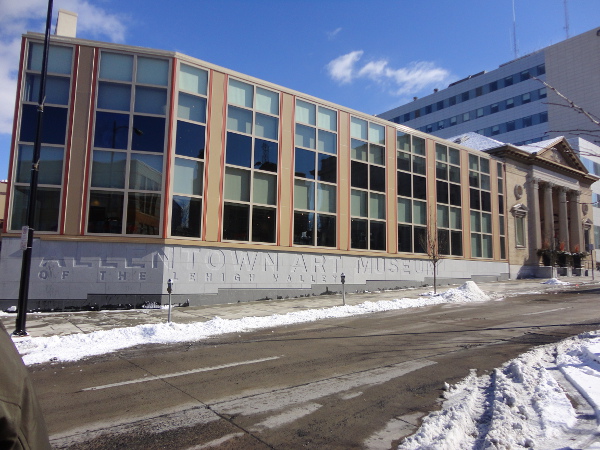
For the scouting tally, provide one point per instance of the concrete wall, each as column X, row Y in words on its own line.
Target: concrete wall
column 81, row 273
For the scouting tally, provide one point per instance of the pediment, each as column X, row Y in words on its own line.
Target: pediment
column 560, row 152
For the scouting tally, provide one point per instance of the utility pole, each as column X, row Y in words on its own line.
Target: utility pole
column 27, row 233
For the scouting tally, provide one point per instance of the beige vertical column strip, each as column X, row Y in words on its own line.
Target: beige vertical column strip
column 430, row 175
column 576, row 225
column 286, row 170
column 563, row 223
column 343, row 216
column 83, row 94
column 391, row 191
column 466, row 208
column 214, row 153
column 548, row 215
column 535, row 218
column 495, row 211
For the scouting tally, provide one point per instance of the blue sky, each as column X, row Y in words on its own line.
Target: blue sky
column 370, row 56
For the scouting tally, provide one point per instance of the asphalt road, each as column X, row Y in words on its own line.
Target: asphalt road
column 358, row 382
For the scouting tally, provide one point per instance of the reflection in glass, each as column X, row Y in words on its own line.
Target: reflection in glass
column 265, row 155
column 190, row 140
column 304, row 163
column 327, row 142
column 57, row 89
column 105, row 212
column 304, row 194
column 108, row 169
column 185, row 216
column 188, row 177
column 152, row 71
column 263, row 224
column 150, row 100
column 236, row 221
column 54, row 126
column 47, row 207
column 112, row 130
column 359, row 150
column 50, row 168
column 143, row 214
column 192, row 79
column 326, row 198
column 327, row 168
column 304, row 225
column 239, row 119
column 149, row 134
column 266, row 126
column 305, row 136
column 145, row 172
column 238, row 150
column 114, row 96
column 191, row 107
column 326, row 231
column 116, row 66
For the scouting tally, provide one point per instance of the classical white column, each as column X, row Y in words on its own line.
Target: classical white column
column 548, row 215
column 563, row 223
column 576, row 225
column 535, row 216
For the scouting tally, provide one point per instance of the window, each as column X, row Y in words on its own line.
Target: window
column 448, row 200
column 412, row 193
column 494, row 108
column 525, row 98
column 465, row 96
column 520, row 231
column 510, row 103
column 53, row 139
column 524, row 75
column 188, row 170
column 480, row 207
column 126, row 184
column 367, row 180
column 479, row 91
column 508, row 81
column 493, row 86
column 315, row 175
column 501, row 207
column 251, row 163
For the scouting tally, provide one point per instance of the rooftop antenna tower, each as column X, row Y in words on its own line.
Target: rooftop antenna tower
column 514, row 31
column 566, row 18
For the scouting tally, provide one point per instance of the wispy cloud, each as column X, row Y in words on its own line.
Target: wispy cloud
column 402, row 81
column 332, row 34
column 20, row 16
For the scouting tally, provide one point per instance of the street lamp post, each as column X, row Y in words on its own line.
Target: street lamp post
column 20, row 329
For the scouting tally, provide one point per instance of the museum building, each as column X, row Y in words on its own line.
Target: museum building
column 156, row 165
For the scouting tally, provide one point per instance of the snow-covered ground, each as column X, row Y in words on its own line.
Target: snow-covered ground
column 523, row 404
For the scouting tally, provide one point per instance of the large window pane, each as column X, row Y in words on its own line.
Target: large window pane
column 404, row 210
column 50, row 168
column 187, row 177
column 152, row 71
column 403, row 141
column 59, row 58
column 47, row 207
column 190, row 140
column 486, row 223
column 143, row 214
column 326, row 231
column 418, row 145
column 404, row 238
column 267, row 101
column 105, row 212
column 327, row 168
column 267, row 126
column 57, row 89
column 54, row 124
column 376, row 206
column 112, row 130
column 239, row 120
column 114, row 96
column 404, row 186
column 358, row 203
column 305, row 136
column 359, row 150
column 359, row 232
column 376, row 154
column 326, row 198
column 476, row 245
column 455, row 218
column 237, row 184
column 304, row 224
column 377, row 236
column 419, row 165
column 327, row 119
column 475, row 221
column 304, row 164
column 236, row 222
column 403, row 161
column 359, row 175
column 420, row 240
column 487, row 246
column 185, row 216
column 358, row 128
column 441, row 191
column 148, row 134
column 115, row 66
column 264, row 188
column 265, row 155
column 241, row 94
column 145, row 172
column 191, row 107
column 150, row 100
column 305, row 112
column 456, row 244
column 327, row 142
column 377, row 178
column 419, row 187
column 443, row 216
column 239, row 150
column 263, row 224
column 376, row 133
column 192, row 79
column 420, row 213
column 108, row 169
column 304, row 194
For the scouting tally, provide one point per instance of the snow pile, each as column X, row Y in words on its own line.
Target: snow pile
column 77, row 346
column 520, row 405
column 556, row 281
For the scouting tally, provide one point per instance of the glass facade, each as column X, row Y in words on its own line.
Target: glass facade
column 449, row 200
column 315, row 175
column 251, row 164
column 129, row 139
column 480, row 202
column 53, row 138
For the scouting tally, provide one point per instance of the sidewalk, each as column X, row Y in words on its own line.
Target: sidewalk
column 64, row 323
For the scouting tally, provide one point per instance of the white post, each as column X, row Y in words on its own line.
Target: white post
column 343, row 279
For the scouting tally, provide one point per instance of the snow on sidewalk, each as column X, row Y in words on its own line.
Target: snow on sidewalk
column 73, row 347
